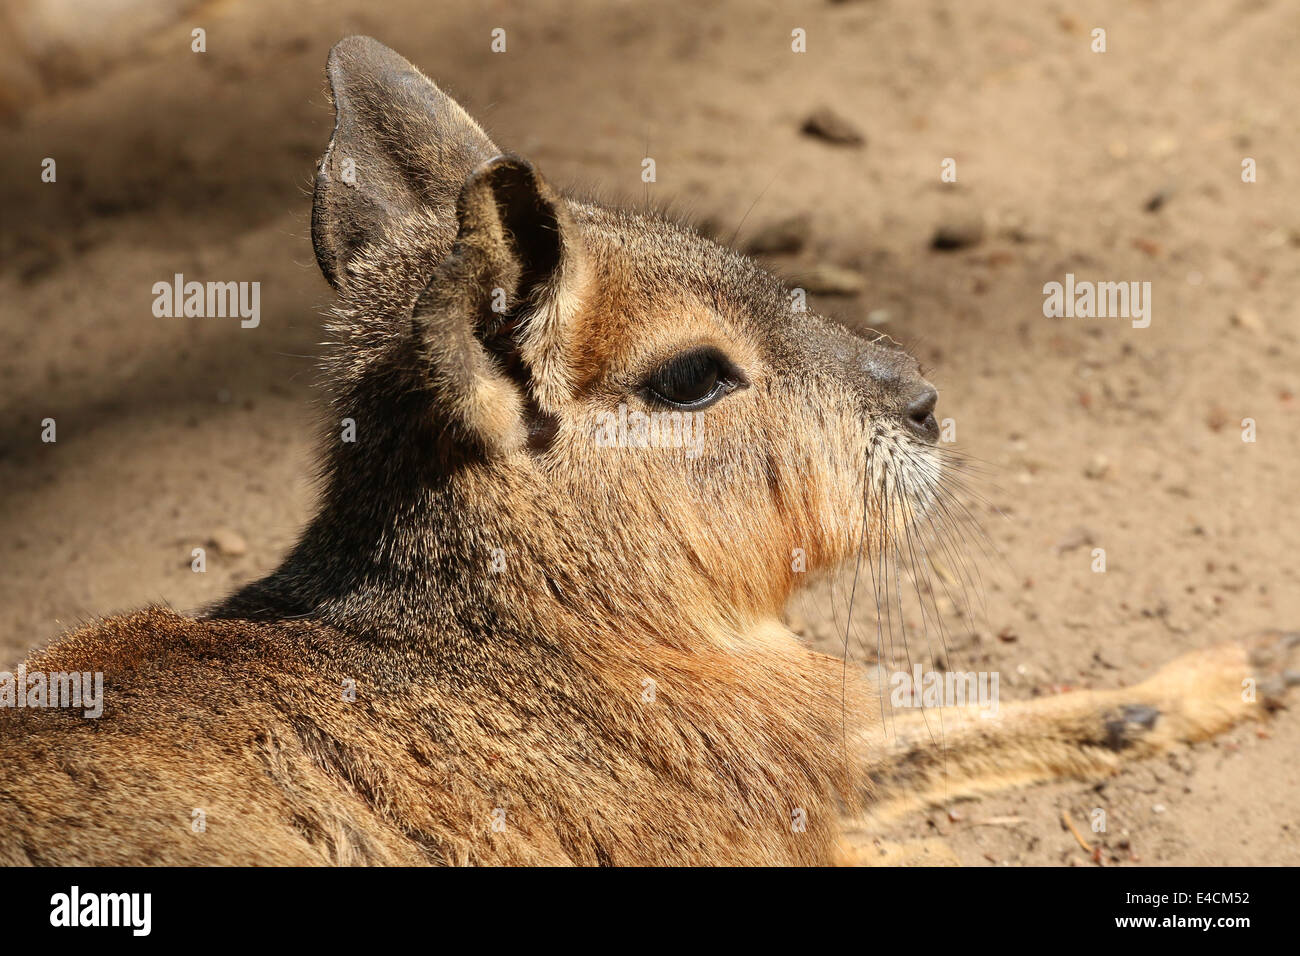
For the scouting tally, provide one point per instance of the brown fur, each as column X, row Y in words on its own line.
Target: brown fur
column 622, row 689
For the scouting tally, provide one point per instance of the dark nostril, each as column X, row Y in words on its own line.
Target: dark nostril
column 920, row 413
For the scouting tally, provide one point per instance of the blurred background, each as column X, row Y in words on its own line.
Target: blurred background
column 1123, row 165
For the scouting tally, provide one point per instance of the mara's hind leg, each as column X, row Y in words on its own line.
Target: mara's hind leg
column 923, row 758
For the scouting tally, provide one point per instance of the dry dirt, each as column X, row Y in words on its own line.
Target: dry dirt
column 1087, row 433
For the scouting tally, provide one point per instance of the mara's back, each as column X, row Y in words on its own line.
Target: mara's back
column 230, row 742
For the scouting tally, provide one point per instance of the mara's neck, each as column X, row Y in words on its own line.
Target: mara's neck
column 455, row 557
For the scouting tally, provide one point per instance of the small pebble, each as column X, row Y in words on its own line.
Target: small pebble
column 1076, row 537
column 228, row 542
column 1157, row 201
column 958, row 233
column 783, row 236
column 827, row 125
column 1248, row 319
column 827, row 279
column 1098, row 467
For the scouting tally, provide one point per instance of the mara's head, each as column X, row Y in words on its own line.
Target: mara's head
column 597, row 408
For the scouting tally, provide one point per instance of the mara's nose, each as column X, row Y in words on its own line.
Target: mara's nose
column 919, row 413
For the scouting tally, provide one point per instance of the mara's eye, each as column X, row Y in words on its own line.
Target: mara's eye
column 694, row 379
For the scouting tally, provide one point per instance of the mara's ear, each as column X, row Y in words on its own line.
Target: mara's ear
column 494, row 324
column 401, row 148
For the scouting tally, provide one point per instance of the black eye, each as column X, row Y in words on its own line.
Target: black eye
column 693, row 379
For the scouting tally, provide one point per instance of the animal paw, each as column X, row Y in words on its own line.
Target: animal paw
column 1275, row 663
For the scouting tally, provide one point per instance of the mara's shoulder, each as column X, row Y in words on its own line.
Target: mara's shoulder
column 157, row 635
column 153, row 671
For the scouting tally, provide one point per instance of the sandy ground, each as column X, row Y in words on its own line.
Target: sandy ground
column 1087, row 433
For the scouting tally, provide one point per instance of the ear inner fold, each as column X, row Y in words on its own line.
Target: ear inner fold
column 511, row 250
